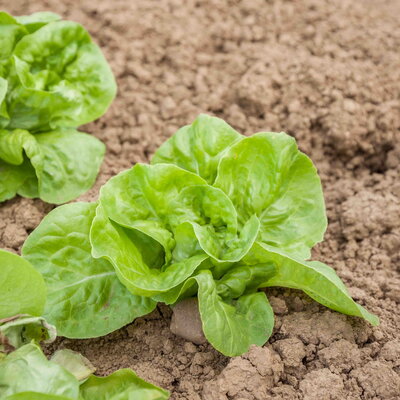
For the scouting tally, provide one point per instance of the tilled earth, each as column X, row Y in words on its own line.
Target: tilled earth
column 327, row 72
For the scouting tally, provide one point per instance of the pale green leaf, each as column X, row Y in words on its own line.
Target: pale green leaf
column 121, row 385
column 78, row 365
column 85, row 297
column 233, row 326
column 3, row 106
column 214, row 222
column 267, row 175
column 23, row 163
column 14, row 143
column 10, row 33
column 71, row 162
column 62, row 164
column 157, row 200
column 145, row 192
column 316, row 279
column 36, row 20
column 114, row 243
column 22, row 289
column 198, row 147
column 62, row 79
column 36, row 396
column 13, row 179
column 27, row 369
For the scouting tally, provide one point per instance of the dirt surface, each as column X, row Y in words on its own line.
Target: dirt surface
column 327, row 72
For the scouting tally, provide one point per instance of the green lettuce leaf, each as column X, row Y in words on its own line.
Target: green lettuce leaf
column 36, row 396
column 3, row 92
column 198, row 147
column 17, row 179
column 280, row 183
column 10, row 33
column 234, row 316
column 23, row 163
column 145, row 192
column 56, row 166
column 151, row 206
column 60, row 79
column 71, row 162
column 133, row 214
column 268, row 176
column 22, row 289
column 12, row 29
column 26, row 374
column 37, row 20
column 14, row 143
column 80, row 367
column 27, row 369
column 232, row 326
column 243, row 278
column 214, row 221
column 22, row 329
column 114, row 243
column 316, row 279
column 121, row 385
column 85, row 298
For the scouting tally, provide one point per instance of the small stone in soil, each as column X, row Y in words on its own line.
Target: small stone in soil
column 186, row 322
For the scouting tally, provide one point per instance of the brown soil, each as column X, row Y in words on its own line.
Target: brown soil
column 327, row 72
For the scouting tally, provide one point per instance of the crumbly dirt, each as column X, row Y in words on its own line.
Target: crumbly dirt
column 327, row 72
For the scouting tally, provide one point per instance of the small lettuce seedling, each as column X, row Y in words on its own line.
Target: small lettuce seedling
column 53, row 78
column 216, row 215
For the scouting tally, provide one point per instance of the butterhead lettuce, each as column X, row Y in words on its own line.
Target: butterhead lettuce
column 215, row 215
column 53, row 78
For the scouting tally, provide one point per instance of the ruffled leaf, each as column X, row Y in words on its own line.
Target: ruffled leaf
column 115, row 244
column 268, row 176
column 61, row 79
column 198, row 147
column 56, row 166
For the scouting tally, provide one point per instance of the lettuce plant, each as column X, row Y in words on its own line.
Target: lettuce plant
column 26, row 374
column 216, row 215
column 53, row 78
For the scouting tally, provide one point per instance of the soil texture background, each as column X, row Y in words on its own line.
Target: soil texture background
column 326, row 72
